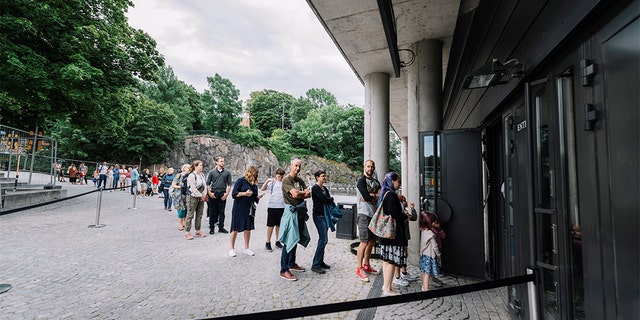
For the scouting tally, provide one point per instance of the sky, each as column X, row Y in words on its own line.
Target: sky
column 256, row 44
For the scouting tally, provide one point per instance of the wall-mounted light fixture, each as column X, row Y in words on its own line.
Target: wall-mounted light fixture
column 493, row 73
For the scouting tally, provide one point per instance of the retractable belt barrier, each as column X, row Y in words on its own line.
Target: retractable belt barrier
column 42, row 204
column 383, row 301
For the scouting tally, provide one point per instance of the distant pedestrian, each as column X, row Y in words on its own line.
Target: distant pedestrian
column 275, row 207
column 73, row 173
column 155, row 183
column 245, row 196
column 122, row 177
column 195, row 199
column 145, row 182
column 102, row 169
column 83, row 173
column 109, row 182
column 116, row 176
column 179, row 196
column 134, row 176
column 167, row 180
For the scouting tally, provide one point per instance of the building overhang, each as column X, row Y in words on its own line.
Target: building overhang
column 357, row 27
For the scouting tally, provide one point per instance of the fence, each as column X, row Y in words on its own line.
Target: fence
column 26, row 152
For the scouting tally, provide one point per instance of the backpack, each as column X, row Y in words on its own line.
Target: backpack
column 184, row 187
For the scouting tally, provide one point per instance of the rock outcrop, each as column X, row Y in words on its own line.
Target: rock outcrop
column 238, row 158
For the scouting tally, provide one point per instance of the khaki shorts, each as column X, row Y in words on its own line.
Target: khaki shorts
column 363, row 228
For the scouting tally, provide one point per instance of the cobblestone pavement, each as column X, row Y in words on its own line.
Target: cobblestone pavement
column 139, row 266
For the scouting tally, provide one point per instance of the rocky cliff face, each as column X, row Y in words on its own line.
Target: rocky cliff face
column 237, row 158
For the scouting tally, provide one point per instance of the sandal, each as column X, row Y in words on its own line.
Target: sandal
column 188, row 236
column 200, row 234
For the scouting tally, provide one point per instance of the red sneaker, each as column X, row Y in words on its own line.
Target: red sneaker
column 367, row 268
column 296, row 267
column 288, row 276
column 361, row 275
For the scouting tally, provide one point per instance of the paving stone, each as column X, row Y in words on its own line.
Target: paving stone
column 139, row 266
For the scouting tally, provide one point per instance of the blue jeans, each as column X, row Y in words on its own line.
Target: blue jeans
column 134, row 187
column 321, row 225
column 102, row 181
column 287, row 259
column 167, row 199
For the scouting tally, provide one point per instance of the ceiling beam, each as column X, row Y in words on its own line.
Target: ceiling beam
column 389, row 23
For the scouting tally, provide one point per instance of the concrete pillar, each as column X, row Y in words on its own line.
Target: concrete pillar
column 376, row 121
column 424, row 107
column 405, row 170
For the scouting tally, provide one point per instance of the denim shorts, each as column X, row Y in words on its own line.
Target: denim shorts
column 429, row 265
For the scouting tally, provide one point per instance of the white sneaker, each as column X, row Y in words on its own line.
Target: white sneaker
column 408, row 277
column 232, row 253
column 400, row 282
column 249, row 252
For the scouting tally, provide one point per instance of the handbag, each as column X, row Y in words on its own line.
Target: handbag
column 383, row 225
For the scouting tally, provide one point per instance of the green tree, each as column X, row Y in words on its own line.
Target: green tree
column 269, row 110
column 181, row 98
column 152, row 132
column 69, row 59
column 312, row 100
column 332, row 132
column 221, row 106
column 249, row 137
column 395, row 163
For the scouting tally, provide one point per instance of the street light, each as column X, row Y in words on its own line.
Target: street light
column 492, row 73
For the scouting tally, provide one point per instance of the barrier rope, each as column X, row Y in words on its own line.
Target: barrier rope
column 41, row 204
column 383, row 301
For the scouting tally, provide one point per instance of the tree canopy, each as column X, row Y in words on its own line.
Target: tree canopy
column 70, row 59
column 79, row 72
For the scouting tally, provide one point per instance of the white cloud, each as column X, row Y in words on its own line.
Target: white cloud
column 257, row 44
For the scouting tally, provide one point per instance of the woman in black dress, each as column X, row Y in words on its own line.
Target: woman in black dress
column 245, row 194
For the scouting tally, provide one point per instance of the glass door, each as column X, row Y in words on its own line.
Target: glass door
column 548, row 197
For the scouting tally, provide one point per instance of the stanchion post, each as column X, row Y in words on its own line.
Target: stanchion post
column 134, row 190
column 99, row 207
column 532, row 293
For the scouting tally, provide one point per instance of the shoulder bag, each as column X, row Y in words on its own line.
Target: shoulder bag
column 383, row 225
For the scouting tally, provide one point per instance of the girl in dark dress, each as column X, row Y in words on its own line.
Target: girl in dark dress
column 245, row 194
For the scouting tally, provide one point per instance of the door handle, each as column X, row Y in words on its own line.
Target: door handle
column 554, row 230
column 551, row 181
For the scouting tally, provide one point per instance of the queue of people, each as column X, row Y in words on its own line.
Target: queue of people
column 187, row 191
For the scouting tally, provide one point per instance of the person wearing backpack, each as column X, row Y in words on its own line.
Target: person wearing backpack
column 177, row 197
column 195, row 199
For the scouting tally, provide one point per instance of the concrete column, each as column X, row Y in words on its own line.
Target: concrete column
column 376, row 121
column 424, row 107
column 403, row 159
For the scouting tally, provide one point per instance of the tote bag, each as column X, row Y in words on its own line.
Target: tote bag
column 383, row 225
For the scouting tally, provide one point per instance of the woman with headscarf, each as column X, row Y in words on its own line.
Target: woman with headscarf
column 392, row 251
